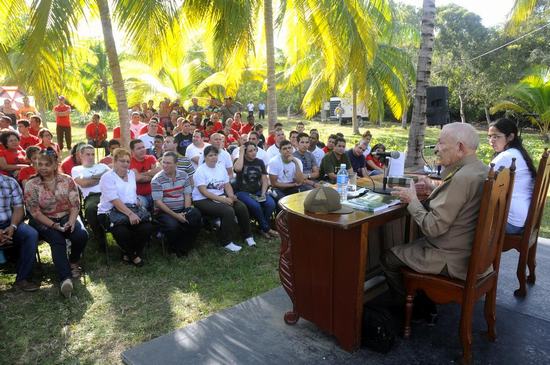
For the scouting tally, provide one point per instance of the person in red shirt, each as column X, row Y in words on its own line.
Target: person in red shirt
column 72, row 160
column 249, row 126
column 46, row 138
column 29, row 171
column 373, row 163
column 26, row 139
column 237, row 121
column 62, row 113
column 145, row 130
column 108, row 160
column 145, row 166
column 35, row 121
column 12, row 158
column 217, row 125
column 330, row 144
column 116, row 134
column 230, row 134
column 96, row 133
column 271, row 137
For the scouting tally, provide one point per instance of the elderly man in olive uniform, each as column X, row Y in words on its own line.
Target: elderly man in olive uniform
column 447, row 218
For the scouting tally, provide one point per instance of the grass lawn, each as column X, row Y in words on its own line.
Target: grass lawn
column 122, row 306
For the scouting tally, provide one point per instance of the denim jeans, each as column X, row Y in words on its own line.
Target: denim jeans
column 58, row 245
column 146, row 201
column 261, row 211
column 27, row 238
column 511, row 229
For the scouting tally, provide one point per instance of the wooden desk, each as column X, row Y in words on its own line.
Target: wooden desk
column 322, row 265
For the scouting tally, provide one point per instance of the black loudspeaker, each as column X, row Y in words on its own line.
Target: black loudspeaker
column 437, row 105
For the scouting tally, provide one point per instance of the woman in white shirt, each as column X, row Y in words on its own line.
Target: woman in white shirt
column 118, row 191
column 503, row 137
column 214, row 197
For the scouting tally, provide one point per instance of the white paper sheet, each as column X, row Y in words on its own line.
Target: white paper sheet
column 397, row 165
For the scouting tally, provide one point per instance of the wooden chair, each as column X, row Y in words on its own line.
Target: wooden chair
column 526, row 242
column 486, row 250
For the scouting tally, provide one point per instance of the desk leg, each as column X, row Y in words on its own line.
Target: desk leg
column 285, row 266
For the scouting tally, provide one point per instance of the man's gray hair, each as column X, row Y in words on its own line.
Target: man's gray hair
column 463, row 132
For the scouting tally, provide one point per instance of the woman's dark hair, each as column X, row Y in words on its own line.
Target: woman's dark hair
column 377, row 146
column 5, row 135
column 75, row 150
column 210, row 149
column 246, row 144
column 508, row 127
column 31, row 151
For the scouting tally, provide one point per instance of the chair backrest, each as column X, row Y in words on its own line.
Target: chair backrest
column 493, row 213
column 538, row 199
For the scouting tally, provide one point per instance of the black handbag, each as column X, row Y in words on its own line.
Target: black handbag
column 116, row 217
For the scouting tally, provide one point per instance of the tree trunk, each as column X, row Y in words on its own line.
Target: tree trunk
column 116, row 74
column 354, row 120
column 462, row 115
column 105, row 91
column 404, row 117
column 270, row 60
column 487, row 116
column 418, row 120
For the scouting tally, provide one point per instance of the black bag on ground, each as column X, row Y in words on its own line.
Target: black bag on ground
column 378, row 329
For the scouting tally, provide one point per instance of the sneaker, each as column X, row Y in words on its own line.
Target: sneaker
column 67, row 288
column 27, row 286
column 250, row 241
column 233, row 247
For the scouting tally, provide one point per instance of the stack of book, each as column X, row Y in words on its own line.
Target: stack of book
column 372, row 202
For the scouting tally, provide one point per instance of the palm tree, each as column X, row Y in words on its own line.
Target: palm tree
column 270, row 58
column 53, row 24
column 423, row 70
column 521, row 10
column 96, row 72
column 530, row 98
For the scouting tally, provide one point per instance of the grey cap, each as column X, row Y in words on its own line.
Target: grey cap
column 325, row 200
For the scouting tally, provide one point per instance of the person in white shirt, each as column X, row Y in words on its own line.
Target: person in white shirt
column 503, row 137
column 118, row 191
column 261, row 110
column 194, row 151
column 273, row 150
column 224, row 158
column 367, row 137
column 314, row 149
column 250, row 108
column 148, row 139
column 214, row 197
column 285, row 173
column 86, row 176
column 243, row 138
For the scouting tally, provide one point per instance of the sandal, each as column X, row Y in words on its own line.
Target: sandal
column 126, row 259
column 76, row 271
column 273, row 233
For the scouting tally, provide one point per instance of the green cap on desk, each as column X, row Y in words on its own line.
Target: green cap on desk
column 324, row 200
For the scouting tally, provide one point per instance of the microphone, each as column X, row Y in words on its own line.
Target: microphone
column 430, row 147
column 392, row 154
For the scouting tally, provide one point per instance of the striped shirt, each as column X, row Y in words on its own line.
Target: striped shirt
column 171, row 192
column 10, row 197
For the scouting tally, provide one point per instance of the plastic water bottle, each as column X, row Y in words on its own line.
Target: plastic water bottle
column 342, row 180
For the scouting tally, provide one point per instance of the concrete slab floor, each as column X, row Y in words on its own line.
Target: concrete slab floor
column 253, row 332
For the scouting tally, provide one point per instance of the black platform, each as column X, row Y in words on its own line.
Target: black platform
column 253, row 332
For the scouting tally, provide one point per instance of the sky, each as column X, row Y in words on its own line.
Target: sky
column 492, row 12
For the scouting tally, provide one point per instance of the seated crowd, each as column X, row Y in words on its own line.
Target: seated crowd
column 180, row 171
